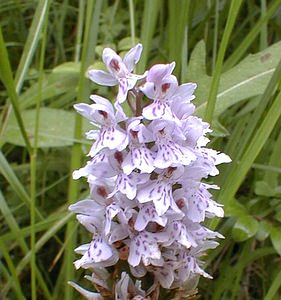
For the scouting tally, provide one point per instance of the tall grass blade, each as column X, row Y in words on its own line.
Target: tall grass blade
column 247, row 41
column 232, row 14
column 274, row 287
column 151, row 10
column 89, row 43
column 7, row 79
column 240, row 168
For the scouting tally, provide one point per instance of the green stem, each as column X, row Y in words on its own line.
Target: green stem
column 33, row 165
column 79, row 30
column 89, row 43
column 215, row 39
column 274, row 287
column 263, row 36
column 232, row 14
column 132, row 22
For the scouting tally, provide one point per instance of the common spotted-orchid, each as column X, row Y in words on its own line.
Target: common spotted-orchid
column 148, row 198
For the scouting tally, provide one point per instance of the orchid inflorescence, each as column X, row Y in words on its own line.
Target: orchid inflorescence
column 147, row 199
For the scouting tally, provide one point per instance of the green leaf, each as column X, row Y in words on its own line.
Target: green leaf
column 275, row 235
column 235, row 209
column 197, row 73
column 218, row 129
column 56, row 128
column 247, row 79
column 64, row 78
column 126, row 43
column 262, row 188
column 244, row 228
column 263, row 231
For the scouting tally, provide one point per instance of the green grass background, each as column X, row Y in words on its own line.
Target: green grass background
column 230, row 48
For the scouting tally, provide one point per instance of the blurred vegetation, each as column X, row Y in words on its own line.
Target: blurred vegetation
column 231, row 49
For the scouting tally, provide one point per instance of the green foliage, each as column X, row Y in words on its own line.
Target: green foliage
column 56, row 128
column 231, row 52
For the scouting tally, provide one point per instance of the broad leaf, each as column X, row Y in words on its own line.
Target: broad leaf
column 56, row 128
column 263, row 230
column 244, row 228
column 275, row 234
column 247, row 79
column 262, row 188
column 64, row 78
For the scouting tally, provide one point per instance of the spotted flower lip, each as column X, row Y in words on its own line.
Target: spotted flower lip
column 163, row 89
column 110, row 135
column 119, row 71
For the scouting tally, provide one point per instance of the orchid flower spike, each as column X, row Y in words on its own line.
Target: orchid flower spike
column 149, row 194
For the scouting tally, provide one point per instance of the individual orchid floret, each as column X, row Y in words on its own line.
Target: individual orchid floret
column 98, row 254
column 126, row 289
column 165, row 274
column 97, row 167
column 139, row 156
column 197, row 203
column 159, row 191
column 168, row 151
column 144, row 247
column 163, row 89
column 125, row 184
column 148, row 215
column 101, row 114
column 120, row 71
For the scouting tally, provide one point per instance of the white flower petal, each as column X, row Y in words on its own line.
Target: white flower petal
column 102, row 77
column 85, row 293
column 147, row 213
column 108, row 54
column 99, row 253
column 158, row 72
column 148, row 90
column 132, row 57
column 160, row 193
column 140, row 158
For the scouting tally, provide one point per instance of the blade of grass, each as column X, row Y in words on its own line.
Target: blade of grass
column 59, row 23
column 247, row 41
column 7, row 79
column 263, row 35
column 259, row 110
column 33, row 160
column 80, row 23
column 150, row 15
column 215, row 38
column 18, row 188
column 40, row 226
column 274, row 164
column 274, row 287
column 132, row 21
column 12, row 223
column 30, row 46
column 10, row 265
column 35, row 29
column 232, row 14
column 245, row 129
column 239, row 269
column 178, row 19
column 184, row 56
column 39, row 244
column 89, row 43
column 240, row 169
